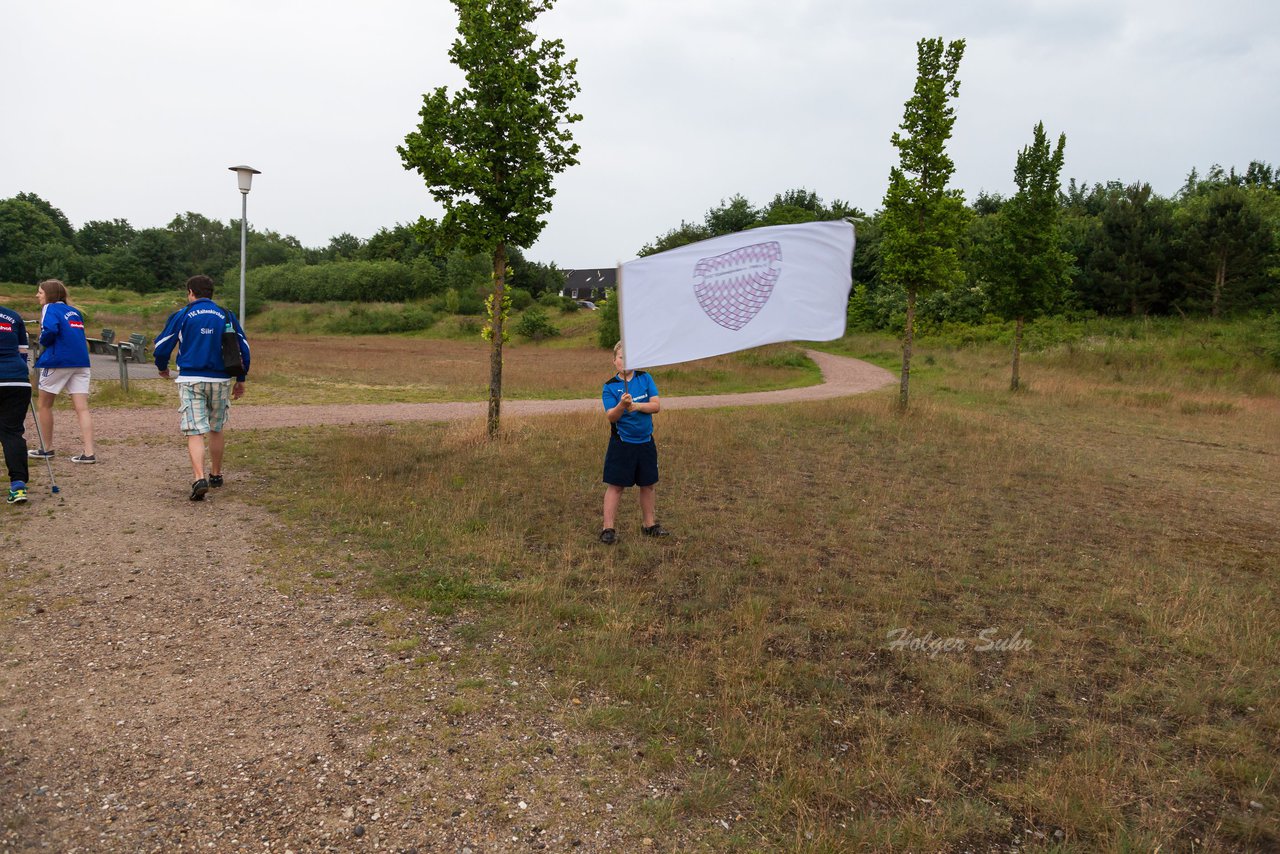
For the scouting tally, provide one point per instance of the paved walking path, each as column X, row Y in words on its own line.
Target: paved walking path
column 108, row 368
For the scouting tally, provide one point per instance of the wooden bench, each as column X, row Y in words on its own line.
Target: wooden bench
column 137, row 346
column 105, row 344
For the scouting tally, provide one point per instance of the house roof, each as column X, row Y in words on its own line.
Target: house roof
column 606, row 277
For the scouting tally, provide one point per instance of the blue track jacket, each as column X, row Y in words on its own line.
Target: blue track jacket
column 196, row 330
column 633, row 427
column 13, row 349
column 62, row 337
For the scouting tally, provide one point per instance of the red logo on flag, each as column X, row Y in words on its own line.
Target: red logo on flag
column 6, row 327
column 733, row 287
column 76, row 324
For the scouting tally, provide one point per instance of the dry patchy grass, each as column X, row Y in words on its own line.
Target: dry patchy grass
column 388, row 369
column 1128, row 538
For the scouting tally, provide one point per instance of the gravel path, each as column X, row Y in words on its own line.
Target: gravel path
column 173, row 677
column 841, row 377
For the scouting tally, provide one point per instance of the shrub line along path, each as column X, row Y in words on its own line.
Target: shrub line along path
column 166, row 686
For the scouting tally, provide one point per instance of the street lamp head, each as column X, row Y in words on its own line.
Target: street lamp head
column 244, row 174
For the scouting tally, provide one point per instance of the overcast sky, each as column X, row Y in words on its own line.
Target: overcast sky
column 135, row 109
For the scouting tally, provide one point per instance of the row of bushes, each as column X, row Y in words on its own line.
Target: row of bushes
column 1246, row 337
column 342, row 281
column 368, row 282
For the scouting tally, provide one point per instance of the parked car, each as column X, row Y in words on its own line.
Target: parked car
column 586, row 303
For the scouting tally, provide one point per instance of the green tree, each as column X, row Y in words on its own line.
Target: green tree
column 738, row 214
column 1130, row 266
column 120, row 268
column 57, row 260
column 59, row 218
column 610, row 329
column 97, row 237
column 1030, row 267
column 1226, row 245
column 490, row 152
column 205, row 246
column 467, row 272
column 866, row 261
column 730, row 217
column 538, row 278
column 800, row 205
column 535, row 325
column 922, row 219
column 25, row 229
column 268, row 248
column 398, row 243
column 688, row 232
column 156, row 251
column 344, row 247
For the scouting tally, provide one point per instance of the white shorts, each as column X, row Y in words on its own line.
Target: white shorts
column 70, row 380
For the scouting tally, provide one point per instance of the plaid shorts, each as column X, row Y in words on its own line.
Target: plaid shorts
column 204, row 406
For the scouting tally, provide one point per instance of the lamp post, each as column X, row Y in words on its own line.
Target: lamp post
column 244, row 174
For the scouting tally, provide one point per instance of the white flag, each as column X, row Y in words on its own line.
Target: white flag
column 779, row 283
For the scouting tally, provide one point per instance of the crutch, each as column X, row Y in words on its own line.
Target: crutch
column 53, row 484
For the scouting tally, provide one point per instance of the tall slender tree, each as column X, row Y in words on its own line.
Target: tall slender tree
column 490, row 152
column 923, row 220
column 1030, row 267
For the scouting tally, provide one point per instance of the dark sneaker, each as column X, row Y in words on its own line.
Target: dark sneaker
column 655, row 530
column 39, row 454
column 215, row 480
column 608, row 536
column 18, row 496
column 198, row 489
column 88, row 459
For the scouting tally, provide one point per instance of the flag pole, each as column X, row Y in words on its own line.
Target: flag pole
column 622, row 337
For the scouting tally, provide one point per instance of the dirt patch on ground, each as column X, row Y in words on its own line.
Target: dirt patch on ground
column 168, row 685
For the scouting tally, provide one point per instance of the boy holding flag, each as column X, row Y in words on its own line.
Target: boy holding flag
column 630, row 401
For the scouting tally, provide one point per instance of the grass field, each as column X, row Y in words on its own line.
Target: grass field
column 1039, row 621
column 1043, row 621
column 448, row 362
column 382, row 369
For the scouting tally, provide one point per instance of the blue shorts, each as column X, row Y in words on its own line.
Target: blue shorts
column 626, row 464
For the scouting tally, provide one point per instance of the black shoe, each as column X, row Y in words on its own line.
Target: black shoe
column 215, row 480
column 198, row 489
column 655, row 530
column 608, row 536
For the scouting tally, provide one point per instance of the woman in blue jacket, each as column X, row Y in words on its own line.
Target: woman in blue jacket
column 64, row 366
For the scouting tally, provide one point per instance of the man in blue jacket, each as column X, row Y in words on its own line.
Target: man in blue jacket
column 205, row 380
